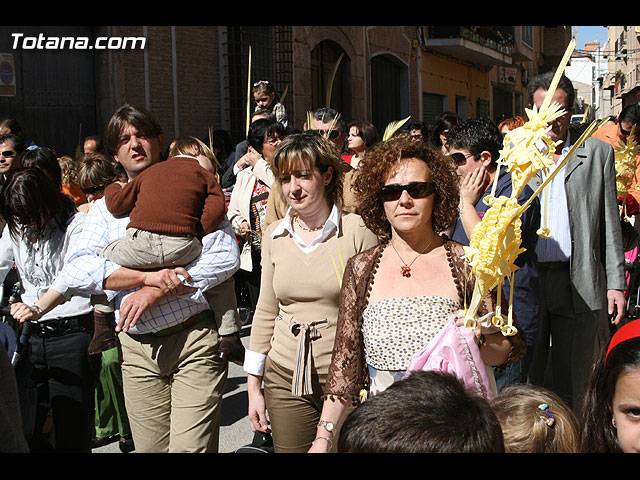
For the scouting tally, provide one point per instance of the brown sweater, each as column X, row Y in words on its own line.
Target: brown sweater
column 173, row 197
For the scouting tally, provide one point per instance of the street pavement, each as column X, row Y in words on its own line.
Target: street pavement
column 235, row 430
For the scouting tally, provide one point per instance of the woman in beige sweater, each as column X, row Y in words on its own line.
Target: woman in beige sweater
column 303, row 257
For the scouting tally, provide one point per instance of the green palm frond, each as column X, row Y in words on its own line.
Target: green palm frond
column 79, row 147
column 332, row 78
column 249, row 95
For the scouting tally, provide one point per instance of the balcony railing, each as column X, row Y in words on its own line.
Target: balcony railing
column 499, row 39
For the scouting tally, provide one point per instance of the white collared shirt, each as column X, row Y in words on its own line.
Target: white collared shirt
column 556, row 248
column 332, row 224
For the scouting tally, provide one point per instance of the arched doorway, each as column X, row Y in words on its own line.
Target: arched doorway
column 389, row 91
column 324, row 58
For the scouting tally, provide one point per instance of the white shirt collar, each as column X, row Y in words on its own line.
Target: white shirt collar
column 332, row 224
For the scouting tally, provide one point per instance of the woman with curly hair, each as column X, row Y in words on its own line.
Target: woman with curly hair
column 397, row 296
column 69, row 170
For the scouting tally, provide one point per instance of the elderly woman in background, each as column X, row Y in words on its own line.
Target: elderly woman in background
column 293, row 329
column 248, row 204
column 399, row 295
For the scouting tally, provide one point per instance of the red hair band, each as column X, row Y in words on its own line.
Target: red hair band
column 624, row 333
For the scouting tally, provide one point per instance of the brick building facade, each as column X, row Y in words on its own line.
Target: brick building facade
column 195, row 77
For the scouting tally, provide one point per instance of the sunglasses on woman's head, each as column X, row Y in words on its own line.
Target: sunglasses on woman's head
column 414, row 189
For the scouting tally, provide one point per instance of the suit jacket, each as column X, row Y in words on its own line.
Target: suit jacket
column 597, row 257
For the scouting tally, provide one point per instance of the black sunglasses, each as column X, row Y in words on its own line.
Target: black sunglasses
column 460, row 158
column 414, row 189
column 332, row 134
column 623, row 131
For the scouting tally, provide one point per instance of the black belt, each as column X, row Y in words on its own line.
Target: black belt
column 63, row 326
column 552, row 265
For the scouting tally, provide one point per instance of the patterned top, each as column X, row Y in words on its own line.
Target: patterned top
column 395, row 328
column 258, row 211
column 348, row 372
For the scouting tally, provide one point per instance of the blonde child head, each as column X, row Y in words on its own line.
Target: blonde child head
column 535, row 420
column 195, row 147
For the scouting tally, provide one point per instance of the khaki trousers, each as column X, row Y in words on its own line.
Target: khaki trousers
column 147, row 250
column 173, row 388
column 294, row 419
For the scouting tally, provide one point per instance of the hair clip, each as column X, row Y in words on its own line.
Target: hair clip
column 261, row 82
column 550, row 420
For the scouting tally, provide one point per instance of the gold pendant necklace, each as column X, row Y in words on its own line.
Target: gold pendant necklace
column 405, row 269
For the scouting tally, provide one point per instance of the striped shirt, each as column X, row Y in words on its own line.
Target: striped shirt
column 85, row 269
column 556, row 248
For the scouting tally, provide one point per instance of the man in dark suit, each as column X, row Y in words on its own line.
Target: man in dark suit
column 582, row 262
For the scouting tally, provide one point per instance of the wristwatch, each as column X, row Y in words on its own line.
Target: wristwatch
column 37, row 309
column 326, row 424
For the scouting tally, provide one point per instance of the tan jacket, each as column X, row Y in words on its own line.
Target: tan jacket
column 240, row 202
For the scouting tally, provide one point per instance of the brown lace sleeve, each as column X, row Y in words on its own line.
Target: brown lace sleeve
column 465, row 282
column 348, row 370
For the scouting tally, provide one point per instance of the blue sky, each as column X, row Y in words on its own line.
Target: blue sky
column 589, row 34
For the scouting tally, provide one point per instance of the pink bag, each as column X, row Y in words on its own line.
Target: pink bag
column 454, row 351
